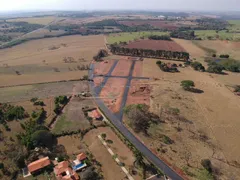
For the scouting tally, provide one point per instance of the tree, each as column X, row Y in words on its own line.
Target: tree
column 214, row 55
column 139, row 158
column 215, row 68
column 197, row 66
column 42, row 138
column 34, row 99
column 206, row 163
column 237, row 88
column 187, row 85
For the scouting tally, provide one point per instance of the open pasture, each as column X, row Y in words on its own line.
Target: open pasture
column 48, row 60
column 130, row 36
column 44, row 20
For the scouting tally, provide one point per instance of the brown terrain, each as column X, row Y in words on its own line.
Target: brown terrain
column 156, row 45
column 102, row 68
column 122, row 68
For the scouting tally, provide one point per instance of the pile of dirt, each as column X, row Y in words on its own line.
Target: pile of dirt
column 143, row 89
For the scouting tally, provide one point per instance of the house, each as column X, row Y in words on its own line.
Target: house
column 64, row 172
column 36, row 166
column 96, row 115
column 79, row 163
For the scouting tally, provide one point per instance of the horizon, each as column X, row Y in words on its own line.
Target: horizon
column 124, row 5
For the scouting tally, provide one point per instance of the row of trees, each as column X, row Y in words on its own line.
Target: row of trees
column 167, row 67
column 115, row 49
column 157, row 37
column 189, row 35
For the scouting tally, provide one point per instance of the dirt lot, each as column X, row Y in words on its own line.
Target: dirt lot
column 112, row 93
column 213, row 113
column 156, row 45
column 50, row 59
column 138, row 69
column 103, row 156
column 102, row 68
column 139, row 92
column 122, row 68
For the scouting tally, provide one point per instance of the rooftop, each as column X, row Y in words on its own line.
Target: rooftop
column 39, row 164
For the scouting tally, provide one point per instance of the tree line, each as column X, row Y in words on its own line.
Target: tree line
column 116, row 49
column 157, row 37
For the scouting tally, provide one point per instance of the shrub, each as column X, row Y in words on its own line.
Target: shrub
column 38, row 103
column 215, row 68
column 103, row 135
column 206, row 163
column 159, row 62
column 237, row 88
column 197, row 66
column 187, row 85
column 34, row 99
column 167, row 140
column 109, row 141
column 224, row 56
column 214, row 55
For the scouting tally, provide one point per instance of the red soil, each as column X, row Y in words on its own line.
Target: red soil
column 138, row 69
column 102, row 68
column 139, row 92
column 112, row 93
column 122, row 68
column 156, row 45
column 98, row 80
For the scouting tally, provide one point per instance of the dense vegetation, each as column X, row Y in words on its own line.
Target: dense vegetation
column 116, row 49
column 218, row 65
column 167, row 67
column 60, row 100
column 156, row 37
column 101, row 53
column 22, row 27
column 189, row 35
column 211, row 24
column 5, row 38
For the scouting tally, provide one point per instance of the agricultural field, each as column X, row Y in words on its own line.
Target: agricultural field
column 45, row 20
column 155, row 45
column 131, row 36
column 217, row 35
column 47, row 60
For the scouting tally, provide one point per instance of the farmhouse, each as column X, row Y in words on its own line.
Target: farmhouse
column 36, row 166
column 79, row 163
column 95, row 114
column 64, row 172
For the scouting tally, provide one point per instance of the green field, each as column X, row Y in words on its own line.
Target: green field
column 235, row 25
column 130, row 36
column 222, row 35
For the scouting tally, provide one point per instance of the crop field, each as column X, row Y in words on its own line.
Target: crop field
column 126, row 37
column 221, row 35
column 156, row 45
column 47, row 60
column 45, row 20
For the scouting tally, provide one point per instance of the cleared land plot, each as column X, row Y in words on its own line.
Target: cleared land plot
column 72, row 144
column 102, row 68
column 138, row 69
column 156, row 45
column 98, row 81
column 73, row 118
column 126, row 37
column 122, row 68
column 103, row 156
column 222, row 47
column 35, row 20
column 21, row 93
column 208, row 113
column 47, row 59
column 139, row 92
column 221, row 35
column 112, row 93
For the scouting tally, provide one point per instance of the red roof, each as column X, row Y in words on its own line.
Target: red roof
column 39, row 164
column 96, row 114
column 64, row 167
column 81, row 156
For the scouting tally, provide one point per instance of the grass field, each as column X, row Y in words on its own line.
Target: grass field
column 126, row 37
column 49, row 59
column 235, row 25
column 45, row 20
column 221, row 35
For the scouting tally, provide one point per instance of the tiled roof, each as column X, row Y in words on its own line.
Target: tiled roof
column 81, row 156
column 39, row 164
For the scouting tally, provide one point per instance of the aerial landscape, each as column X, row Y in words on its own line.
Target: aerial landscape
column 142, row 91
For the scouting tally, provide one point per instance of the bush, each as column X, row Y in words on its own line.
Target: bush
column 214, row 55
column 159, row 62
column 215, row 68
column 187, row 85
column 237, row 88
column 167, row 140
column 197, row 66
column 38, row 103
column 34, row 99
column 103, row 135
column 206, row 163
column 224, row 56
column 109, row 141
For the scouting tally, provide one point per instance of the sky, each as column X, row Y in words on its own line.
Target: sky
column 194, row 5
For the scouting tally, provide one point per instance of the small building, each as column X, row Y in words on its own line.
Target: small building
column 63, row 171
column 36, row 166
column 79, row 163
column 96, row 115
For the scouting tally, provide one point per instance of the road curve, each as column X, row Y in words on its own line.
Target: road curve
column 136, row 142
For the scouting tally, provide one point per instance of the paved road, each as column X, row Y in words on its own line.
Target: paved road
column 116, row 121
